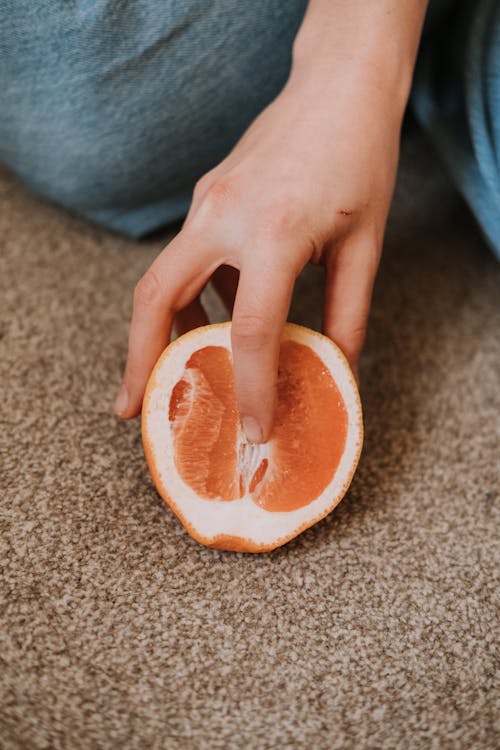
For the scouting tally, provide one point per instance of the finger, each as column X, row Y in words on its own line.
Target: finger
column 200, row 190
column 225, row 282
column 173, row 280
column 191, row 316
column 260, row 312
column 349, row 285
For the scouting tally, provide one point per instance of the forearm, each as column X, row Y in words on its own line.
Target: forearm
column 373, row 42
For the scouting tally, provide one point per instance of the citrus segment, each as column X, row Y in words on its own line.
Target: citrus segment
column 309, row 432
column 204, row 416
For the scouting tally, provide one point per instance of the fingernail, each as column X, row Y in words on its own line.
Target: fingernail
column 121, row 401
column 252, row 430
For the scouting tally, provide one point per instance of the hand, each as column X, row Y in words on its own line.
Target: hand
column 310, row 180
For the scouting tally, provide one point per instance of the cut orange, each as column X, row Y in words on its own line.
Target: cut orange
column 231, row 494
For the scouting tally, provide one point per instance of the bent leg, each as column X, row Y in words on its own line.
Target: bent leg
column 115, row 109
column 456, row 97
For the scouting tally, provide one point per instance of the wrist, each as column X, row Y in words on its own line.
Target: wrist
column 343, row 85
column 359, row 47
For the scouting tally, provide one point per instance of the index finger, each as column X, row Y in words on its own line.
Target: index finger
column 260, row 312
column 173, row 280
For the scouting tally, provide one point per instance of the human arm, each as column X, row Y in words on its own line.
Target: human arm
column 310, row 180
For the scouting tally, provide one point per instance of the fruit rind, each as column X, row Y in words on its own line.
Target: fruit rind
column 218, row 531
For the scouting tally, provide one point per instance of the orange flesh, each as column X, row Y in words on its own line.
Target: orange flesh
column 204, row 419
column 306, row 445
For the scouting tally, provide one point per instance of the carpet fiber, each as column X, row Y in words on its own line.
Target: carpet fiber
column 373, row 629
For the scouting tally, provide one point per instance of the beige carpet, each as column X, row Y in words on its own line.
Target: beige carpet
column 374, row 629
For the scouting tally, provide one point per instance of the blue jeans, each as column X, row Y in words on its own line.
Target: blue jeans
column 456, row 98
column 115, row 109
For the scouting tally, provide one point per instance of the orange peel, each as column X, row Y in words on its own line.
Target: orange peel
column 233, row 495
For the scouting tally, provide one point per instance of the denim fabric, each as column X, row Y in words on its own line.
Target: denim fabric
column 456, row 97
column 113, row 108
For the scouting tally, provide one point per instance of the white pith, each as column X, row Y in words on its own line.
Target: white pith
column 242, row 517
column 250, row 456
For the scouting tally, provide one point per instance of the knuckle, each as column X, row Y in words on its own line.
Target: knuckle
column 355, row 341
column 250, row 332
column 358, row 334
column 283, row 216
column 219, row 193
column 202, row 184
column 350, row 339
column 148, row 289
column 133, row 371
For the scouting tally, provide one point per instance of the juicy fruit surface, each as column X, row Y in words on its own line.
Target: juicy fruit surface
column 204, row 420
column 284, row 474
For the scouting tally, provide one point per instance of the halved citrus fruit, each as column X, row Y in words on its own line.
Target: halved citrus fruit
column 231, row 494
